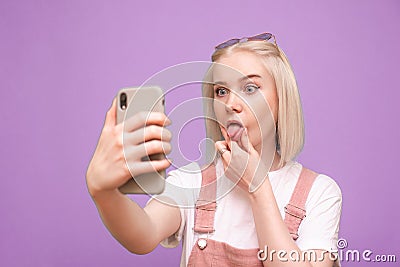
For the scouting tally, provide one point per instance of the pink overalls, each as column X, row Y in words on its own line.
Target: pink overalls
column 208, row 252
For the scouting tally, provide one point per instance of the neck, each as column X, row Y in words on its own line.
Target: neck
column 267, row 157
column 275, row 163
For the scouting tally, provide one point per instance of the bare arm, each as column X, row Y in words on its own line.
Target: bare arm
column 272, row 231
column 138, row 230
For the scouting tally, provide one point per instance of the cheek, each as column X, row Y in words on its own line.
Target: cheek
column 262, row 121
column 219, row 109
column 255, row 135
column 269, row 107
column 218, row 106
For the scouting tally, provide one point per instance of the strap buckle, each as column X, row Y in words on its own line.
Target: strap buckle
column 208, row 205
column 295, row 211
column 204, row 229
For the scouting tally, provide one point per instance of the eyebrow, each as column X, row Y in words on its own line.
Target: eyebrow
column 250, row 76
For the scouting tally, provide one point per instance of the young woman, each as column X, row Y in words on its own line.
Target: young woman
column 277, row 213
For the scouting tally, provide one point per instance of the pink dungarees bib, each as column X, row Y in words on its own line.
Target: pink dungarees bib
column 208, row 252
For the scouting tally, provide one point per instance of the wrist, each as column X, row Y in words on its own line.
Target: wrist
column 96, row 191
column 100, row 196
column 261, row 192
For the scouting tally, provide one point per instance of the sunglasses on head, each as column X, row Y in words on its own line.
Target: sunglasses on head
column 260, row 37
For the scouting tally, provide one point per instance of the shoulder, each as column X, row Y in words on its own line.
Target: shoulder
column 319, row 229
column 326, row 186
column 323, row 184
column 182, row 185
column 186, row 176
column 323, row 188
column 323, row 191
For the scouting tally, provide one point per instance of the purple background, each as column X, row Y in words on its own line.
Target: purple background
column 62, row 63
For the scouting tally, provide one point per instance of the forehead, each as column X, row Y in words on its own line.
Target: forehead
column 237, row 65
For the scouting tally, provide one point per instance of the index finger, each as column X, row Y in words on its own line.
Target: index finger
column 226, row 136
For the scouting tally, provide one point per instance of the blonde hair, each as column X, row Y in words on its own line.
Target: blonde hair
column 290, row 125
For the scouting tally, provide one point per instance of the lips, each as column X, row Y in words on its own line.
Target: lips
column 235, row 130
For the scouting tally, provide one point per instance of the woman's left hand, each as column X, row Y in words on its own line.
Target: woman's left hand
column 242, row 163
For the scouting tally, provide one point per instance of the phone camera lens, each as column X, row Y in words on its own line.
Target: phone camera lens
column 122, row 101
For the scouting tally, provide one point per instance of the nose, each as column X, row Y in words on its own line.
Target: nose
column 234, row 104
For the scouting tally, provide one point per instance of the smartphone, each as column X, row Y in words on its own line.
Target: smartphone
column 129, row 102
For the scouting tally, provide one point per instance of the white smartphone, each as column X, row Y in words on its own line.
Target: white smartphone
column 129, row 102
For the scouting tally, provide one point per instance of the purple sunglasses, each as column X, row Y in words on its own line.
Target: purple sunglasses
column 260, row 37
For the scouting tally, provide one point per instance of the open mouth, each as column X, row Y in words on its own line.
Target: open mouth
column 234, row 130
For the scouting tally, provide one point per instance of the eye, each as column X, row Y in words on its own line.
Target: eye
column 221, row 91
column 251, row 88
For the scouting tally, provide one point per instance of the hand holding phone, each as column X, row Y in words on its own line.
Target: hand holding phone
column 141, row 110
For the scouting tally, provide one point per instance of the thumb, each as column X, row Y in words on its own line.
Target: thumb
column 227, row 141
column 111, row 114
column 244, row 142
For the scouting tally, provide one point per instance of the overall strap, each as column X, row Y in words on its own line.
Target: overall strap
column 295, row 211
column 206, row 203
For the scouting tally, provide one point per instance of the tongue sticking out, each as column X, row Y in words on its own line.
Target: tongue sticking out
column 235, row 131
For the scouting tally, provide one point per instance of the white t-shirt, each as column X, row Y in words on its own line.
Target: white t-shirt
column 234, row 223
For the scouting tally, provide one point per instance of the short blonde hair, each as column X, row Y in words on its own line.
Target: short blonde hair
column 290, row 125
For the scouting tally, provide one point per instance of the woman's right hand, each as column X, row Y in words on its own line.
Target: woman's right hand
column 119, row 147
